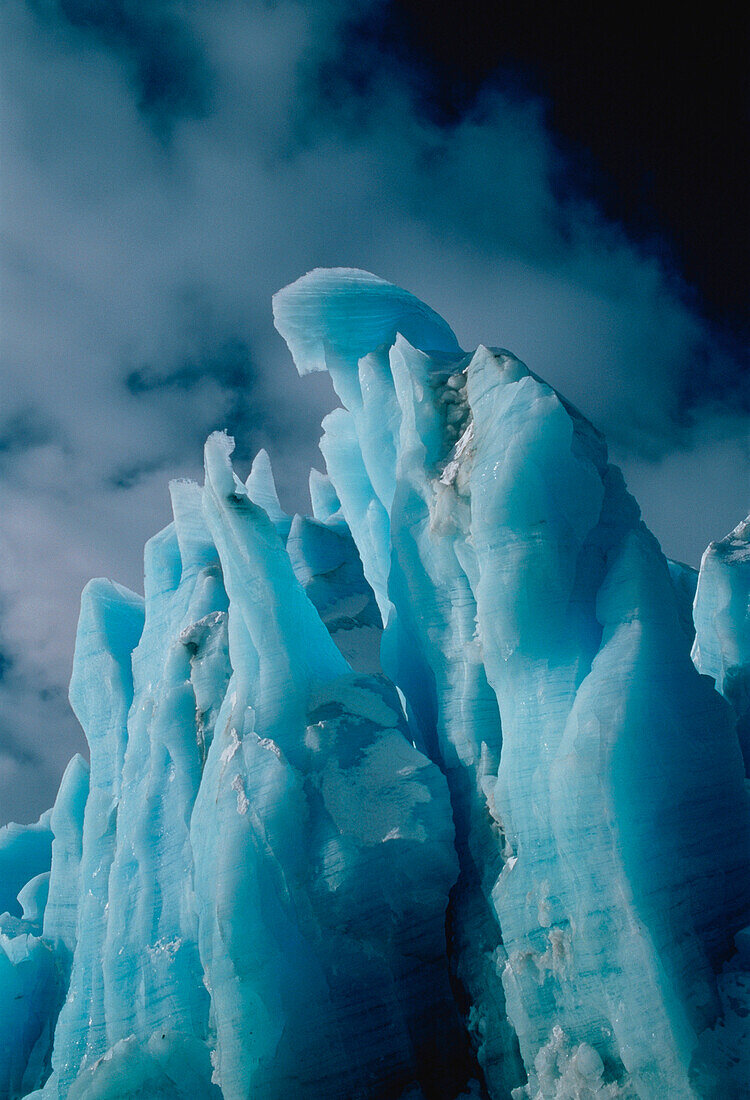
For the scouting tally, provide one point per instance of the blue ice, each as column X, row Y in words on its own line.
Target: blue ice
column 418, row 796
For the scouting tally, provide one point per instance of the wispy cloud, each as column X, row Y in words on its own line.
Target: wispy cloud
column 167, row 167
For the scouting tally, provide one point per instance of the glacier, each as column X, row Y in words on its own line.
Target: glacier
column 438, row 792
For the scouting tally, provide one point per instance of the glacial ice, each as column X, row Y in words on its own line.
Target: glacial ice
column 722, row 624
column 419, row 796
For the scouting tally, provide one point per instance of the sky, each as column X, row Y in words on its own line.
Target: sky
column 166, row 166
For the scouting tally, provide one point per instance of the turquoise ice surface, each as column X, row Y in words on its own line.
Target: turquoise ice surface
column 419, row 796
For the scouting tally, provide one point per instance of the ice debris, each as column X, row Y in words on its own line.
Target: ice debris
column 418, row 796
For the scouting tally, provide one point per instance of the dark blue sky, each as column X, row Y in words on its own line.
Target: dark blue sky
column 655, row 107
column 574, row 193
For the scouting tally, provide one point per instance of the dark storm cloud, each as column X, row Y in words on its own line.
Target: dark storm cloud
column 230, row 367
column 19, row 755
column 167, row 65
column 222, row 376
column 6, row 664
column 24, row 429
column 139, row 274
column 126, row 477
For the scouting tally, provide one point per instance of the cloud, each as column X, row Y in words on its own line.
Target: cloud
column 167, row 167
column 166, row 64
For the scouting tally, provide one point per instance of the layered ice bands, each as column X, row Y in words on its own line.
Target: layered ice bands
column 420, row 796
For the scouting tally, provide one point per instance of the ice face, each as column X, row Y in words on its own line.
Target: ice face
column 418, row 796
column 539, row 640
column 25, row 851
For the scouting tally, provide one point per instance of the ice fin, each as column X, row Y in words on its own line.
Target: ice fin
column 722, row 624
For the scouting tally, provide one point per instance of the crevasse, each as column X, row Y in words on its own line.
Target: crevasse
column 418, row 796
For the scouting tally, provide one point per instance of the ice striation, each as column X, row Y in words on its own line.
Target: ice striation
column 419, row 796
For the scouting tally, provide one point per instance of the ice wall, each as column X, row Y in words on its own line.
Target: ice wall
column 505, row 552
column 418, row 796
